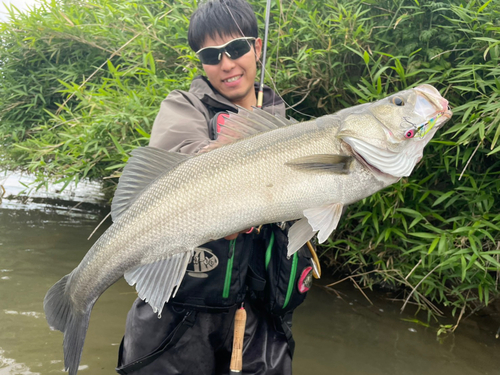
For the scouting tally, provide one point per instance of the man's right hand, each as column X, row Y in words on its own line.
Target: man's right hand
column 235, row 235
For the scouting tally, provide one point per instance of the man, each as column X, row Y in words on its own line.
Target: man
column 194, row 334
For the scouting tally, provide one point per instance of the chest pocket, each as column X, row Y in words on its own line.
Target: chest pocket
column 216, row 276
column 286, row 279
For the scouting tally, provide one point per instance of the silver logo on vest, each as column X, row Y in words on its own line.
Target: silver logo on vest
column 203, row 261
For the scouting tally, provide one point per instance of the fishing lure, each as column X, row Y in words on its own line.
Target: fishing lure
column 422, row 129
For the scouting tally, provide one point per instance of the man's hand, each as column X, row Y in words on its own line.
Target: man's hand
column 234, row 235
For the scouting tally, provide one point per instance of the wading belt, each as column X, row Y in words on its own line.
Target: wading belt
column 170, row 341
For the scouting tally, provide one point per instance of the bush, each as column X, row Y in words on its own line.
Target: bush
column 81, row 84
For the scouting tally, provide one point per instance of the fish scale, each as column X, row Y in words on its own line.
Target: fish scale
column 166, row 205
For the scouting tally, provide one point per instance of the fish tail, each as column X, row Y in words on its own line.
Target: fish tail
column 62, row 315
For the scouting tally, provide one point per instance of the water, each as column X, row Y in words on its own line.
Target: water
column 348, row 336
column 19, row 193
column 345, row 336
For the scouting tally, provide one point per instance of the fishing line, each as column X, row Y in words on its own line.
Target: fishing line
column 288, row 106
column 96, row 228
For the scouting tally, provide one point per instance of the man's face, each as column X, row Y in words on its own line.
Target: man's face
column 234, row 78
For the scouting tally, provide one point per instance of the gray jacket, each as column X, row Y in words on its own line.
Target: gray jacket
column 182, row 124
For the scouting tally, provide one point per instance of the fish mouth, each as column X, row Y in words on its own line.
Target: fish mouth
column 430, row 104
column 448, row 113
column 433, row 96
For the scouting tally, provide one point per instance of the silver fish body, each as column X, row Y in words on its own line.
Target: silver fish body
column 167, row 205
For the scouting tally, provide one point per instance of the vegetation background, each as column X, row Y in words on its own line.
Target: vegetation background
column 81, row 83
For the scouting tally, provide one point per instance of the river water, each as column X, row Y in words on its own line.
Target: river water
column 337, row 332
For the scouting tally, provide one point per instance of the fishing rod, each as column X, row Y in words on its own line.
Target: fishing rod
column 240, row 318
column 236, row 364
column 260, row 97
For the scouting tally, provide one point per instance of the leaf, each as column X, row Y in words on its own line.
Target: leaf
column 490, row 259
column 433, row 245
column 115, row 166
column 366, row 57
column 142, row 132
column 117, row 145
column 410, row 212
column 442, row 244
column 496, row 122
column 443, row 197
column 464, row 267
column 423, row 235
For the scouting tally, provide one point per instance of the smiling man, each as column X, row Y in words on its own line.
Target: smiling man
column 194, row 334
column 233, row 78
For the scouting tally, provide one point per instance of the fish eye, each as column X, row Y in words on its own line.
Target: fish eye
column 397, row 101
column 410, row 133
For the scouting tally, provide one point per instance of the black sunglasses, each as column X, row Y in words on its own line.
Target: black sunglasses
column 233, row 49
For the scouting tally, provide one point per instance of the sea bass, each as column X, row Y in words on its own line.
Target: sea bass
column 262, row 169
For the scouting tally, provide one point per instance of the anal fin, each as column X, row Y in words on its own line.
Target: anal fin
column 155, row 282
column 324, row 219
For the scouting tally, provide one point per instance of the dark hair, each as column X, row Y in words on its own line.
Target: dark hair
column 221, row 18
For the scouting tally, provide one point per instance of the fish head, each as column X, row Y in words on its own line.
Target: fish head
column 388, row 136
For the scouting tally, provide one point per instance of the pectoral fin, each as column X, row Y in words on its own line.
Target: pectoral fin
column 155, row 282
column 324, row 219
column 339, row 164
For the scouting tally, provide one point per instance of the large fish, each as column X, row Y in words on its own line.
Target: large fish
column 262, row 169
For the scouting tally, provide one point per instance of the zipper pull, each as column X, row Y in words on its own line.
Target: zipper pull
column 232, row 245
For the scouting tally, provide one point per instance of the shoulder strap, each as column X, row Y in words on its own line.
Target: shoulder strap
column 211, row 108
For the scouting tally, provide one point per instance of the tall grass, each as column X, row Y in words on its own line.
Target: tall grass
column 80, row 85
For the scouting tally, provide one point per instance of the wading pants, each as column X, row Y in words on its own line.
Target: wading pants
column 188, row 342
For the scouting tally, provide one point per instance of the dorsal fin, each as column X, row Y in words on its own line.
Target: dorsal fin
column 265, row 117
column 246, row 123
column 143, row 167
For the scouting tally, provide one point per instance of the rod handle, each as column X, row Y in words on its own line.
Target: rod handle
column 240, row 319
column 260, row 98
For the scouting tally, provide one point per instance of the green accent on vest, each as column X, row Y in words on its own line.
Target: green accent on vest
column 229, row 269
column 269, row 249
column 291, row 281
